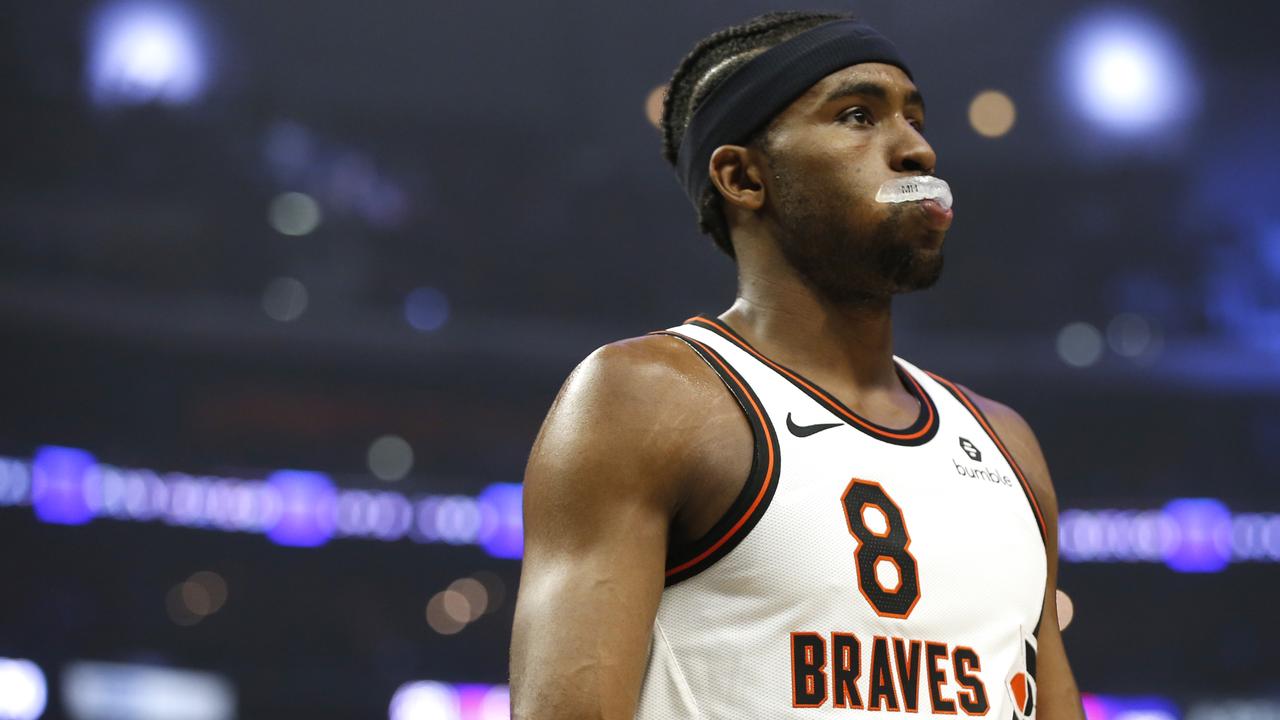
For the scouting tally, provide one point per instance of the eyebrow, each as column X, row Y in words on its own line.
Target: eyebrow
column 872, row 89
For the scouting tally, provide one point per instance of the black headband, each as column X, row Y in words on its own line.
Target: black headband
column 763, row 87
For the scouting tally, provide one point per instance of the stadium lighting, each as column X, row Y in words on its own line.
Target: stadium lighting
column 23, row 691
column 1127, row 73
column 432, row 700
column 425, row 700
column 58, row 479
column 144, row 52
column 93, row 690
column 306, row 508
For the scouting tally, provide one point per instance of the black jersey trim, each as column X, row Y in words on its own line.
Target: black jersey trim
column 918, row 433
column 1008, row 456
column 684, row 560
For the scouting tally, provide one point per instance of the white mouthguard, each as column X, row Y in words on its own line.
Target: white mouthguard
column 911, row 189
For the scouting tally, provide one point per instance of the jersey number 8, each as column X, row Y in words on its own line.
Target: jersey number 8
column 875, row 521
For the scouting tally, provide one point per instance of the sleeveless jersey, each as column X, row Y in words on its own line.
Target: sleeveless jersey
column 861, row 569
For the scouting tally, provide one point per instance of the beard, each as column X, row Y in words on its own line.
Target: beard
column 849, row 265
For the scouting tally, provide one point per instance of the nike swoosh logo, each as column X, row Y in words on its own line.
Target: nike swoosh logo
column 807, row 430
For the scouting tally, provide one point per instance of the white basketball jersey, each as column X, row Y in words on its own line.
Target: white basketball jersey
column 861, row 569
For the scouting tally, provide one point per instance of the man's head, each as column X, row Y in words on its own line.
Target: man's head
column 806, row 179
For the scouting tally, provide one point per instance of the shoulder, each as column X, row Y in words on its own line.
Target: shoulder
column 1021, row 442
column 634, row 411
column 652, row 374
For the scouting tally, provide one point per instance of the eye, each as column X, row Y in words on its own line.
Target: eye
column 859, row 115
column 918, row 125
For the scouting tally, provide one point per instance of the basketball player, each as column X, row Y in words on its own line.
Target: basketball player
column 766, row 514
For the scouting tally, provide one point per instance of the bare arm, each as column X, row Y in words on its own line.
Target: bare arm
column 600, row 490
column 1059, row 697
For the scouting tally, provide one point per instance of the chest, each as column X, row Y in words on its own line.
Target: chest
column 926, row 539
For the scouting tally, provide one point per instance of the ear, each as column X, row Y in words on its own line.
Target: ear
column 736, row 173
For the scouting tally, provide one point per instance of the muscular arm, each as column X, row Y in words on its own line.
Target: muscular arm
column 1059, row 697
column 601, row 488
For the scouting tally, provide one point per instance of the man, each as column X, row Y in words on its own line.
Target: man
column 839, row 532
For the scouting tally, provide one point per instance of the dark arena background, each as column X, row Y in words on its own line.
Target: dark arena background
column 287, row 287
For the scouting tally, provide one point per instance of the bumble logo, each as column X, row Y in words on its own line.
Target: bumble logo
column 983, row 472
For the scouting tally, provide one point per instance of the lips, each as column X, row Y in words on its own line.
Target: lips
column 935, row 215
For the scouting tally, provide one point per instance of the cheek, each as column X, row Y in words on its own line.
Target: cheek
column 834, row 171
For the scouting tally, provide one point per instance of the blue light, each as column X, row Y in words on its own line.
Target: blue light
column 58, row 478
column 143, row 52
column 308, row 501
column 1127, row 73
column 1203, row 540
column 503, row 535
column 426, row 309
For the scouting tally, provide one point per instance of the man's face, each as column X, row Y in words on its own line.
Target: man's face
column 827, row 155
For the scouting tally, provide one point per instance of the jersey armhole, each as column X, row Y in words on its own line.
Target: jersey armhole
column 981, row 417
column 684, row 560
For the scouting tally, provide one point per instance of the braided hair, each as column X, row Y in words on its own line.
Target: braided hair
column 712, row 60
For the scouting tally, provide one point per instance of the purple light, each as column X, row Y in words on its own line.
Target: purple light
column 307, row 504
column 58, row 476
column 502, row 534
column 1111, row 707
column 426, row 309
column 471, row 698
column 15, row 482
column 1203, row 540
column 425, row 700
column 434, row 700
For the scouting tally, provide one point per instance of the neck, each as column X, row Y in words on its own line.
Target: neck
column 794, row 324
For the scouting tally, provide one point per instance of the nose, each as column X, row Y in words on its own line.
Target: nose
column 912, row 153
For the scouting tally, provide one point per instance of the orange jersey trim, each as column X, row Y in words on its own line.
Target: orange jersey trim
column 834, row 405
column 770, row 462
column 982, row 420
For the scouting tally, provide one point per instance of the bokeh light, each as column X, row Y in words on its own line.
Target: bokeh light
column 440, row 612
column 93, row 690
column 390, row 458
column 23, row 690
column 1203, row 540
column 58, row 482
column 1066, row 609
column 175, row 603
column 145, row 51
column 308, row 501
column 1127, row 72
column 496, row 703
column 196, row 598
column 1079, row 344
column 201, row 595
column 214, row 587
column 456, row 606
column 476, row 595
column 1131, row 335
column 992, row 113
column 294, row 213
column 425, row 700
column 653, row 105
column 426, row 309
column 285, row 299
